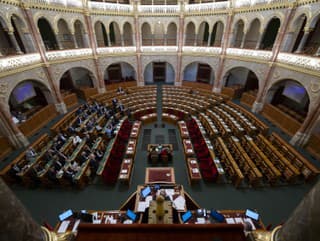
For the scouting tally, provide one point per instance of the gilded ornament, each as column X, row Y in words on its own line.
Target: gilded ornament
column 315, row 87
column 3, row 89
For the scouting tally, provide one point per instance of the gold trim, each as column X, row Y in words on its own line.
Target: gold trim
column 18, row 70
column 52, row 236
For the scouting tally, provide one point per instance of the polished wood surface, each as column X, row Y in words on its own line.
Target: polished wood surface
column 287, row 123
column 160, row 232
column 38, row 120
column 247, row 99
column 313, row 145
column 5, row 147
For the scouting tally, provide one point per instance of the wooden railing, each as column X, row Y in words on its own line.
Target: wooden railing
column 313, row 145
column 282, row 120
column 247, row 99
column 70, row 100
column 38, row 120
column 85, row 93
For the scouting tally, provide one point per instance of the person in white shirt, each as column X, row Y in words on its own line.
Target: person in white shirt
column 76, row 139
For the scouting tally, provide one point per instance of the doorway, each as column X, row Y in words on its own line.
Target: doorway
column 159, row 72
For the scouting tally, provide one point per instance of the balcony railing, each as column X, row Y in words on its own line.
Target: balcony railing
column 116, row 50
column 67, row 54
column 299, row 60
column 206, row 7
column 159, row 49
column 208, row 50
column 250, row 53
column 19, row 61
column 111, row 7
column 159, row 8
column 247, row 3
column 65, row 3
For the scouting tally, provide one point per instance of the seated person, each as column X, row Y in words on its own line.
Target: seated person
column 99, row 154
column 120, row 90
column 31, row 154
column 63, row 138
column 15, row 169
column 94, row 164
column 75, row 166
column 76, row 140
column 109, row 131
column 69, row 173
column 15, row 120
column 71, row 129
column 121, row 108
column 114, row 102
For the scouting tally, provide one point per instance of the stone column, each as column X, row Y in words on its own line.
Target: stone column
column 108, row 38
column 74, row 41
column 29, row 44
column 86, row 41
column 303, row 41
column 225, row 43
column 259, row 40
column 181, row 35
column 304, row 222
column 287, row 42
column 93, row 44
column 47, row 69
column 209, row 38
column 317, row 53
column 138, row 39
column 56, row 34
column 16, row 223
column 303, row 134
column 14, row 42
column 122, row 40
column 16, row 138
column 243, row 41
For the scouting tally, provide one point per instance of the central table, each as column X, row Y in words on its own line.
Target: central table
column 159, row 175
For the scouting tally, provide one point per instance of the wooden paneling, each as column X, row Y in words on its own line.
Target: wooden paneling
column 282, row 120
column 160, row 232
column 38, row 120
column 313, row 145
column 85, row 93
column 247, row 99
column 70, row 100
column 5, row 147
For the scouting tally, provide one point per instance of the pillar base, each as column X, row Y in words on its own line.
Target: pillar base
column 61, row 108
column 19, row 140
column 216, row 90
column 299, row 139
column 257, row 107
column 177, row 83
column 139, row 83
column 101, row 90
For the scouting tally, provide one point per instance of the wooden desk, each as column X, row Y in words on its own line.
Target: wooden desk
column 131, row 148
column 126, row 171
column 188, row 149
column 135, row 129
column 183, row 129
column 193, row 171
column 156, row 149
column 160, row 175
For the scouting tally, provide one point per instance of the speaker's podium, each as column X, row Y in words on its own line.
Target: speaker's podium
column 165, row 218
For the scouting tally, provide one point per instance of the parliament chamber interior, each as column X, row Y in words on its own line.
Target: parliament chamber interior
column 183, row 119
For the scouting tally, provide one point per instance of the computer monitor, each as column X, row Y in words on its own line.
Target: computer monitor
column 252, row 214
column 65, row 215
column 145, row 192
column 130, row 214
column 186, row 216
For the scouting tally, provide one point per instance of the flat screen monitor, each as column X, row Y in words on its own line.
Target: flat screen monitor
column 252, row 214
column 294, row 92
column 65, row 215
column 146, row 191
column 186, row 216
column 24, row 92
column 130, row 214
